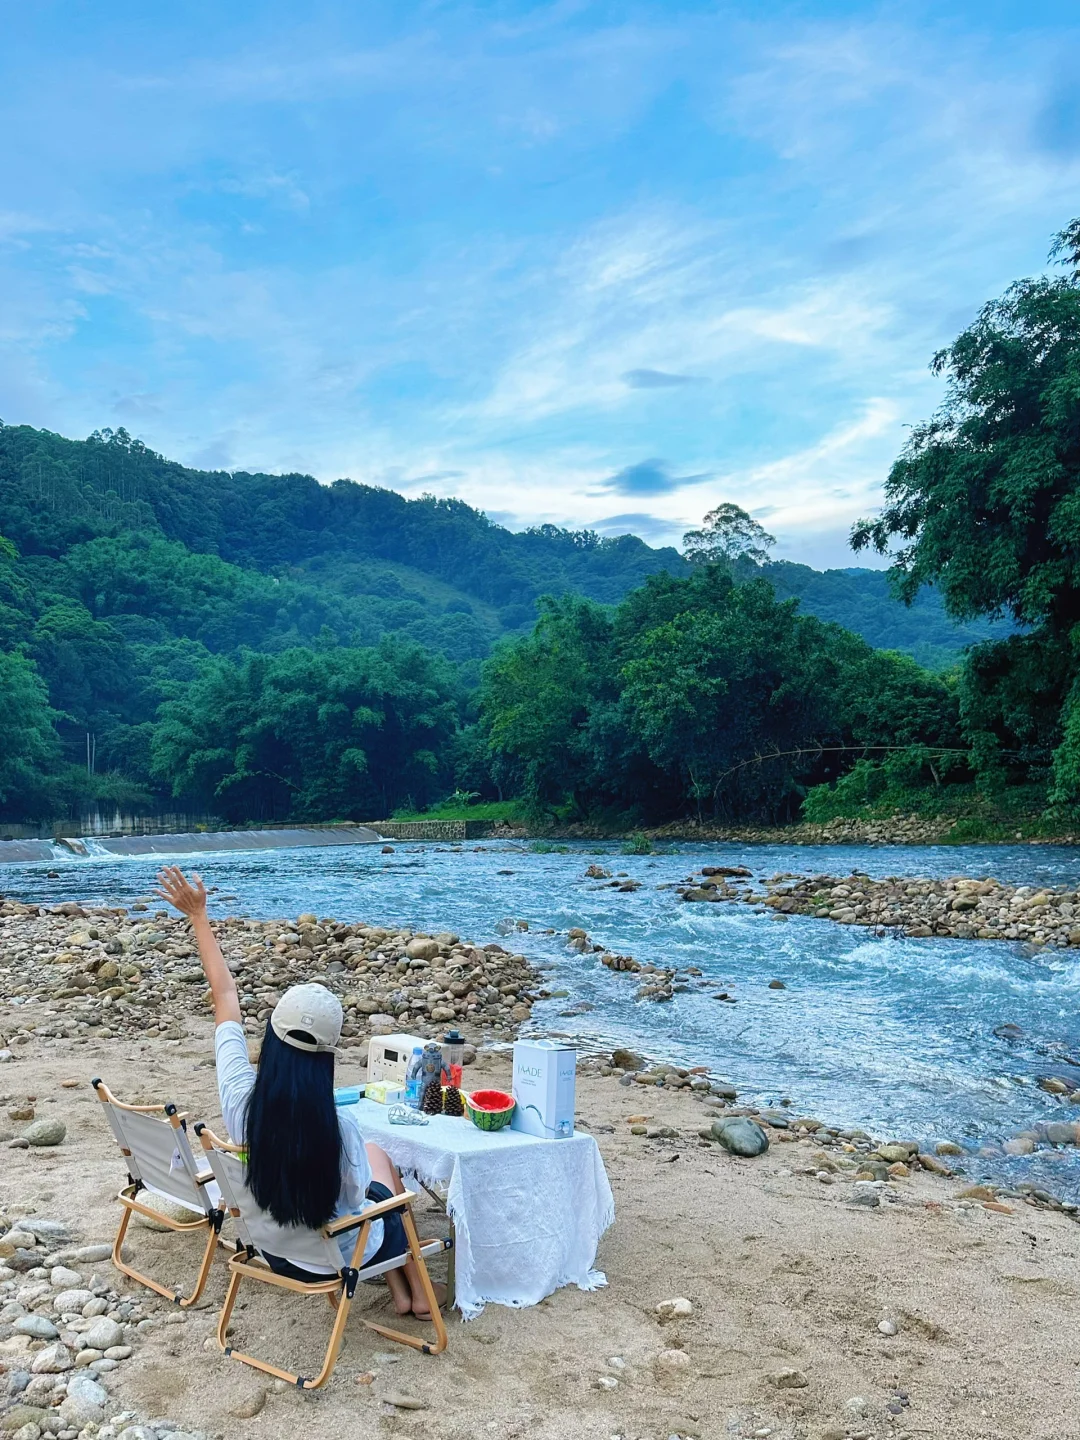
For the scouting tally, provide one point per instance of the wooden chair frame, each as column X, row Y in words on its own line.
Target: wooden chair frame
column 339, row 1289
column 211, row 1222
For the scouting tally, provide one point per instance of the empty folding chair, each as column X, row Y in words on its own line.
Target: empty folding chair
column 317, row 1249
column 154, row 1142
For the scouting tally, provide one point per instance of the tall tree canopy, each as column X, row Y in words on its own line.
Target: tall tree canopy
column 311, row 735
column 984, row 503
column 700, row 693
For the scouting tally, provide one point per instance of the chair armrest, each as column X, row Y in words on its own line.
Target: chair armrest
column 353, row 1222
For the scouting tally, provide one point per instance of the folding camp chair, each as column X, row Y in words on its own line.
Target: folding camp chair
column 153, row 1139
column 317, row 1249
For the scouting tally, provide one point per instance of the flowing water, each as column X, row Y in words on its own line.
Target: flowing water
column 896, row 1035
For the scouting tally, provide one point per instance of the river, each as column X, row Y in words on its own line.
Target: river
column 895, row 1035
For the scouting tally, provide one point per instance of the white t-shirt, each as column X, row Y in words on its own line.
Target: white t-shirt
column 236, row 1078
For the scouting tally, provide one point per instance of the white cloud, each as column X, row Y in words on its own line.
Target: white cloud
column 432, row 254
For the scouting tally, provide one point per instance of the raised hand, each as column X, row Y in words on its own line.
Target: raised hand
column 189, row 896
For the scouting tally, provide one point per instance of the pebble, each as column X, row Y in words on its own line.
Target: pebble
column 61, row 1278
column 678, row 1309
column 887, row 1327
column 789, row 1379
column 673, row 1362
column 401, row 1401
column 249, row 1406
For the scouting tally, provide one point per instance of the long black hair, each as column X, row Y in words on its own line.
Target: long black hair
column 293, row 1140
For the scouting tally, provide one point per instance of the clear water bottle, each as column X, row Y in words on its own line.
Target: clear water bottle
column 414, row 1078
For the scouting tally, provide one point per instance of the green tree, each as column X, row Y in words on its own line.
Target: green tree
column 29, row 750
column 308, row 735
column 727, row 535
column 984, row 503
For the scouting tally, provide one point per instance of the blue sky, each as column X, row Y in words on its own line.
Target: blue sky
column 596, row 264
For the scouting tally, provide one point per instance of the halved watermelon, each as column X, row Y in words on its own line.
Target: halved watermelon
column 489, row 1109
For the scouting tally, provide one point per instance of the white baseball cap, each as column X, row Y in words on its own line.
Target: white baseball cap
column 308, row 1017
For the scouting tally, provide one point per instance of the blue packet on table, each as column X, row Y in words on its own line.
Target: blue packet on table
column 348, row 1094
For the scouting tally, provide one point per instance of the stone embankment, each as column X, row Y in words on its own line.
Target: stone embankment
column 962, row 908
column 69, row 970
column 897, row 829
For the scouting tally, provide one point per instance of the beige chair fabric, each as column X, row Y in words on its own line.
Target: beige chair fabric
column 157, row 1152
column 260, row 1234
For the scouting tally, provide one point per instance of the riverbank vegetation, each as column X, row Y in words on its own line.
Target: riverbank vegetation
column 267, row 648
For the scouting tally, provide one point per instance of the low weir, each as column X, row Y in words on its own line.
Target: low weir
column 195, row 842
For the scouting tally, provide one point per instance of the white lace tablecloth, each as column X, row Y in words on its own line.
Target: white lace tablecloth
column 528, row 1213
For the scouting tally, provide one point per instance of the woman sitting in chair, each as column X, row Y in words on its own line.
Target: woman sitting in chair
column 307, row 1162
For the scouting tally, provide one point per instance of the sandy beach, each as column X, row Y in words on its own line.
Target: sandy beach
column 812, row 1316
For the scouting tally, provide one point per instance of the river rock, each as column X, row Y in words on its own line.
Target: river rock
column 15, row 1240
column 249, row 1406
column 89, row 1254
column 891, row 1154
column 55, row 1359
column 163, row 1206
column 72, row 1302
column 36, row 1326
column 673, row 1362
column 627, row 1060
column 62, row 1278
column 1019, row 1145
column 678, row 1309
column 789, row 1379
column 45, row 1132
column 1060, row 1132
column 422, row 948
column 103, row 1334
column 741, row 1136
column 22, row 1415
column 933, row 1164
column 401, row 1401
column 85, row 1402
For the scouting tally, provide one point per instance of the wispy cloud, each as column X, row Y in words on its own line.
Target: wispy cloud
column 657, row 379
column 507, row 255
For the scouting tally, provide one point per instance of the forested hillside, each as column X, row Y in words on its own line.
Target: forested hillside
column 267, row 647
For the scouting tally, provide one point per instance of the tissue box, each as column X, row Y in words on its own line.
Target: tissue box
column 544, row 1086
column 385, row 1092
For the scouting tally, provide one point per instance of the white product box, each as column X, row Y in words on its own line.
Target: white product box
column 545, row 1082
column 388, row 1056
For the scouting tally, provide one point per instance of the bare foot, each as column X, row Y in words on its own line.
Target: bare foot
column 399, row 1291
column 420, row 1305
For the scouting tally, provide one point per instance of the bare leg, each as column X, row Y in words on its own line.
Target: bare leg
column 404, row 1285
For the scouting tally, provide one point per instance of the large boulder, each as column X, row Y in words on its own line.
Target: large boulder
column 627, row 1060
column 45, row 1132
column 741, row 1136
